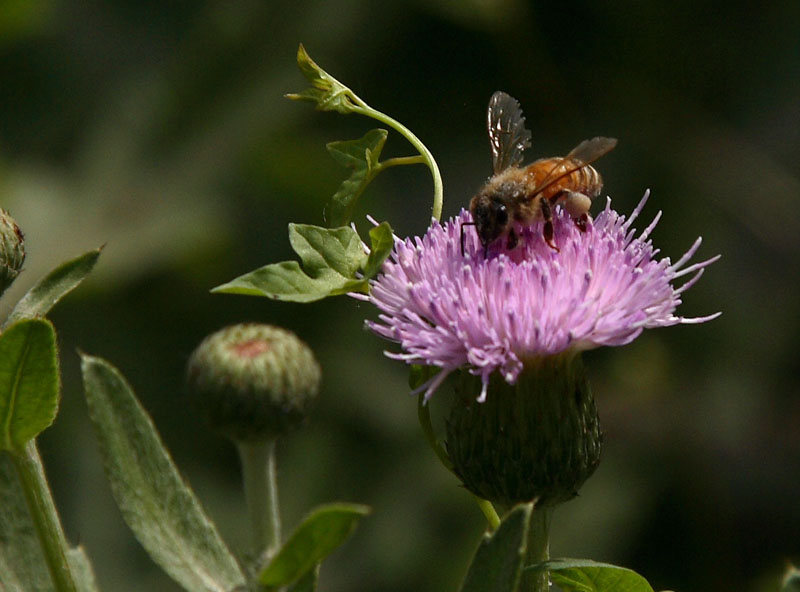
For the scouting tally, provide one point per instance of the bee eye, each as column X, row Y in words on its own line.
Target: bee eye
column 501, row 214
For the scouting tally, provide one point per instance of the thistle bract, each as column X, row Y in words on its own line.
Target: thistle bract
column 12, row 250
column 253, row 382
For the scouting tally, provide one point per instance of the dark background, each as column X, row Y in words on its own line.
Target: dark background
column 160, row 130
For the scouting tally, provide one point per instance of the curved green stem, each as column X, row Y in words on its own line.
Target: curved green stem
column 45, row 517
column 423, row 412
column 438, row 190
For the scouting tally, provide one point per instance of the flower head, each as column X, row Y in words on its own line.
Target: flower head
column 495, row 312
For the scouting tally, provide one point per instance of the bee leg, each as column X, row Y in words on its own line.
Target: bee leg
column 513, row 240
column 547, row 214
column 577, row 205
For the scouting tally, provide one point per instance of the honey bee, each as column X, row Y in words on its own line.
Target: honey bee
column 523, row 195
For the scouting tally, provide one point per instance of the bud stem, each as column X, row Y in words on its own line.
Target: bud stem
column 45, row 517
column 261, row 494
column 538, row 550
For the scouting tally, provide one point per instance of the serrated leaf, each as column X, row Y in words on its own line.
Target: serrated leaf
column 22, row 565
column 381, row 245
column 585, row 575
column 29, row 381
column 330, row 259
column 497, row 565
column 328, row 93
column 362, row 156
column 158, row 506
column 320, row 533
column 54, row 286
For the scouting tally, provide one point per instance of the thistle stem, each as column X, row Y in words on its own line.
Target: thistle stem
column 537, row 551
column 45, row 517
column 261, row 495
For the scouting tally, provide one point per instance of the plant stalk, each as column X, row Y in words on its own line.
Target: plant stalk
column 537, row 551
column 261, row 495
column 45, row 517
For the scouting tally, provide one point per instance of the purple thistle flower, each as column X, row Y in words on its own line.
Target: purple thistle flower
column 493, row 313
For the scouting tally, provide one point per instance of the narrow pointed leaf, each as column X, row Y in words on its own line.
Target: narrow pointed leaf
column 54, row 286
column 29, row 381
column 158, row 506
column 22, row 565
column 362, row 157
column 584, row 575
column 497, row 565
column 326, row 92
column 331, row 258
column 318, row 536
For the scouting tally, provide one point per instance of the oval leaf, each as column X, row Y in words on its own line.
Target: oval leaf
column 497, row 564
column 158, row 506
column 585, row 575
column 321, row 532
column 381, row 244
column 331, row 258
column 54, row 286
column 29, row 381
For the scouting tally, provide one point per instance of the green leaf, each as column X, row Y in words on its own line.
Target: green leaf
column 381, row 245
column 330, row 259
column 328, row 93
column 29, row 381
column 158, row 506
column 82, row 570
column 585, row 575
column 307, row 583
column 22, row 564
column 321, row 532
column 497, row 565
column 362, row 156
column 54, row 286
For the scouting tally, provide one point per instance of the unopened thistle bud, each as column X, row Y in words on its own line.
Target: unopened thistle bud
column 253, row 382
column 537, row 440
column 12, row 250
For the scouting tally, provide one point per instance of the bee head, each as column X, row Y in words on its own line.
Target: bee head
column 490, row 216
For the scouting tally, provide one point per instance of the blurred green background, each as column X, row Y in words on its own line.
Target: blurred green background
column 160, row 130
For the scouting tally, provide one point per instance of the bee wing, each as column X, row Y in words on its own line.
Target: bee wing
column 584, row 153
column 508, row 136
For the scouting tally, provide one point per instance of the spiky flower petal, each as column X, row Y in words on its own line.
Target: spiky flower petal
column 494, row 312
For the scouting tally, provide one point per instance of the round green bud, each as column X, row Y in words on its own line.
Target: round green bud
column 12, row 250
column 253, row 382
column 537, row 440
